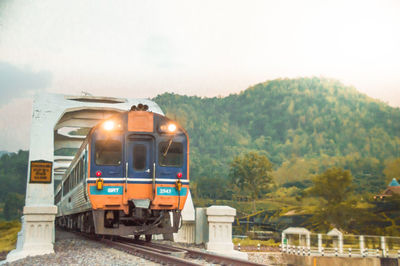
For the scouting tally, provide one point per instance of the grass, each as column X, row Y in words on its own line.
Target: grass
column 251, row 242
column 8, row 235
column 246, row 207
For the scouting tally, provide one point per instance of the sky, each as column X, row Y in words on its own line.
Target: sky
column 139, row 49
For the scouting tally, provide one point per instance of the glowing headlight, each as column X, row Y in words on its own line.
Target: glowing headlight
column 171, row 128
column 109, row 125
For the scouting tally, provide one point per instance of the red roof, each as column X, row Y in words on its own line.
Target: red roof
column 389, row 192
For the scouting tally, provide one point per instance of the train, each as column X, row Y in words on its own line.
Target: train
column 129, row 177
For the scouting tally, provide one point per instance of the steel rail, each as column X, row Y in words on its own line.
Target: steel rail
column 159, row 252
column 210, row 257
column 148, row 254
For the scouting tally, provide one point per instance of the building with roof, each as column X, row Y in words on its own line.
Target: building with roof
column 392, row 189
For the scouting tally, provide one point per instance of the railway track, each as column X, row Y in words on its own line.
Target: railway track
column 166, row 254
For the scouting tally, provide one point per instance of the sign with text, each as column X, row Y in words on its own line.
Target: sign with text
column 41, row 171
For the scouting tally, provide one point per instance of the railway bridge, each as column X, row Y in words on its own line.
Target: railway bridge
column 59, row 125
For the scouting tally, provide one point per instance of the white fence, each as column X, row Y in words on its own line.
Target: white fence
column 340, row 245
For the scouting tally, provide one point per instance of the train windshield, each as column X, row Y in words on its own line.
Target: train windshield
column 170, row 154
column 108, row 152
column 139, row 157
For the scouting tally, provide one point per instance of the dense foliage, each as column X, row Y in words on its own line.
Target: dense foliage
column 13, row 170
column 331, row 203
column 335, row 205
column 250, row 175
column 304, row 126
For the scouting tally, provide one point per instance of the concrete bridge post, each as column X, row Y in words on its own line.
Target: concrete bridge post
column 308, row 240
column 319, row 243
column 187, row 233
column 383, row 246
column 362, row 245
column 37, row 232
column 284, row 242
column 220, row 219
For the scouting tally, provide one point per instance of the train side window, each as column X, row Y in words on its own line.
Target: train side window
column 66, row 187
column 170, row 154
column 73, row 178
column 58, row 197
column 139, row 157
column 78, row 172
column 78, row 180
column 81, row 170
column 108, row 152
column 76, row 175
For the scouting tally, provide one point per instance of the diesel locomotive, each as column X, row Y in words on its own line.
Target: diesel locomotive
column 129, row 177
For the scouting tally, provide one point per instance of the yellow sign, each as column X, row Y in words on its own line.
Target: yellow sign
column 41, row 171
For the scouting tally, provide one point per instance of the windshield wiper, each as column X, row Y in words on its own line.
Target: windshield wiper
column 169, row 145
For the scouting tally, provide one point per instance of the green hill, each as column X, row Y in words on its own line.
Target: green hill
column 303, row 125
column 3, row 152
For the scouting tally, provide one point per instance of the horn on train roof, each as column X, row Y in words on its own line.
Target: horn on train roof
column 140, row 107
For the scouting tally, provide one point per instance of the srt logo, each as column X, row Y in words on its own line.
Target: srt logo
column 113, row 190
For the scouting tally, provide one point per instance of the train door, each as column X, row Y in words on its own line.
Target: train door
column 139, row 160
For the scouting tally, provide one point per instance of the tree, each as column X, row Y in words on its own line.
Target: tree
column 392, row 169
column 213, row 188
column 13, row 169
column 336, row 207
column 13, row 206
column 386, row 216
column 251, row 174
column 333, row 186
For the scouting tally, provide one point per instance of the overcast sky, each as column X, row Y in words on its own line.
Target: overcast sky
column 143, row 48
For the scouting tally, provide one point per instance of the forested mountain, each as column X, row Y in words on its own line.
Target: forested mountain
column 303, row 125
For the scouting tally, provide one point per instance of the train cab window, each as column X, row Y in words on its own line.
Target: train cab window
column 139, row 157
column 170, row 154
column 108, row 152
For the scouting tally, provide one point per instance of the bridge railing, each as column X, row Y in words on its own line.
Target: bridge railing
column 341, row 245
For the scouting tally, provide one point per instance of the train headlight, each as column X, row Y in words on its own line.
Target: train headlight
column 171, row 128
column 168, row 128
column 109, row 125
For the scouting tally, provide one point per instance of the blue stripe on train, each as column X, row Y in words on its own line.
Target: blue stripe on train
column 121, row 182
column 135, row 182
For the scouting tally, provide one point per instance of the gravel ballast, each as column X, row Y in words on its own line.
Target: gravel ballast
column 72, row 249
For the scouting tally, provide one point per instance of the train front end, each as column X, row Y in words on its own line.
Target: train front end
column 138, row 174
